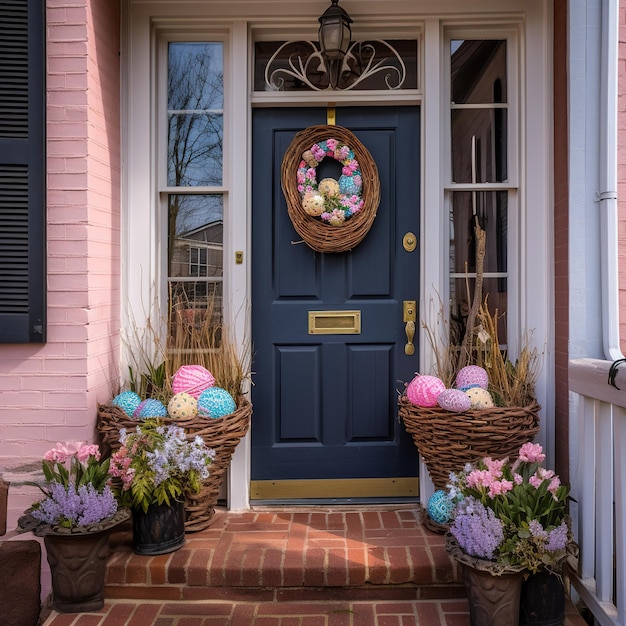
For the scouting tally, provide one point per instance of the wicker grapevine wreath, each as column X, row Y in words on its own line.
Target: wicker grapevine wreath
column 332, row 215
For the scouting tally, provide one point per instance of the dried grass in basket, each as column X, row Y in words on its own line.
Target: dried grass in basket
column 222, row 434
column 447, row 441
column 318, row 235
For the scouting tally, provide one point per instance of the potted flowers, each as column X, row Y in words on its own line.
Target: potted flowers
column 508, row 518
column 156, row 466
column 74, row 517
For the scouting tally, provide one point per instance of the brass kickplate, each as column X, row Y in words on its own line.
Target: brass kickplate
column 400, row 487
column 334, row 322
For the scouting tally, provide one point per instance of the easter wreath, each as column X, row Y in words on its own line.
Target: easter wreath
column 332, row 215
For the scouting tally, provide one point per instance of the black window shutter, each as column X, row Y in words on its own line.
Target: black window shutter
column 22, row 172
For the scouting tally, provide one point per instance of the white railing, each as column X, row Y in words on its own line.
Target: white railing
column 599, row 486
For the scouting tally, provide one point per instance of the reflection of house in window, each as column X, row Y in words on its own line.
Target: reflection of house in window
column 198, row 254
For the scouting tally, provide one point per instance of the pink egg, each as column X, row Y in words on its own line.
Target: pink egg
column 424, row 390
column 454, row 400
column 472, row 376
column 192, row 379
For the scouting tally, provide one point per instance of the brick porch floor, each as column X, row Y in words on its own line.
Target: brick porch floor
column 314, row 566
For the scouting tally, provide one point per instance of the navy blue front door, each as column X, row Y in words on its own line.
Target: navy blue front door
column 325, row 406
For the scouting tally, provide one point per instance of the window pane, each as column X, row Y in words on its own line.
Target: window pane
column 479, row 145
column 490, row 207
column 461, row 303
column 195, row 102
column 195, row 235
column 283, row 71
column 478, row 70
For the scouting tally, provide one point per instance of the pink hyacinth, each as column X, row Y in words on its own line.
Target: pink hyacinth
column 499, row 487
column 63, row 452
column 531, row 453
column 494, row 465
column 87, row 451
column 535, row 481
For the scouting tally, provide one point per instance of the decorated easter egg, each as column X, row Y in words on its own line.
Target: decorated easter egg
column 440, row 507
column 182, row 406
column 471, row 376
column 479, row 398
column 193, row 379
column 329, row 187
column 313, row 203
column 215, row 402
column 128, row 401
column 150, row 407
column 454, row 400
column 424, row 390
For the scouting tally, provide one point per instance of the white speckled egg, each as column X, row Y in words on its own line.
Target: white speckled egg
column 128, row 401
column 329, row 187
column 150, row 408
column 193, row 379
column 472, row 376
column 454, row 400
column 440, row 507
column 424, row 390
column 479, row 398
column 182, row 406
column 216, row 402
column 313, row 203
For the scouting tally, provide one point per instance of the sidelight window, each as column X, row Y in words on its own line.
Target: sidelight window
column 479, row 192
column 194, row 175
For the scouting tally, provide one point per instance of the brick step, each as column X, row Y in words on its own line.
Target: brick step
column 385, row 551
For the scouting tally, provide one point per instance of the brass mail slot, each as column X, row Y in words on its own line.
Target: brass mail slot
column 334, row 322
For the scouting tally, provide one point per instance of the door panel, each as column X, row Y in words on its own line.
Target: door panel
column 325, row 405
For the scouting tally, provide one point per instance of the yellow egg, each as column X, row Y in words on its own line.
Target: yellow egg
column 479, row 398
column 329, row 187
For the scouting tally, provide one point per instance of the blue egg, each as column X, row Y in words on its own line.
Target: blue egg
column 128, row 401
column 440, row 507
column 215, row 402
column 150, row 408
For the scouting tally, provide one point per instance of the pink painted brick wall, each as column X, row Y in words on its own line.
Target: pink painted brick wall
column 50, row 392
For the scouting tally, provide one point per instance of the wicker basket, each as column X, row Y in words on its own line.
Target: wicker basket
column 447, row 441
column 318, row 235
column 221, row 434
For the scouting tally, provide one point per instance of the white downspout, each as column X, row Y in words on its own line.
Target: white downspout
column 607, row 196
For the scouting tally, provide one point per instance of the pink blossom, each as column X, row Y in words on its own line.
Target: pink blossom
column 545, row 474
column 300, row 188
column 535, row 481
column 346, row 171
column 300, row 176
column 518, row 478
column 498, row 487
column 531, row 453
column 494, row 466
column 332, row 144
column 479, row 478
column 63, row 452
column 555, row 483
column 87, row 451
column 357, row 180
column 302, row 165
